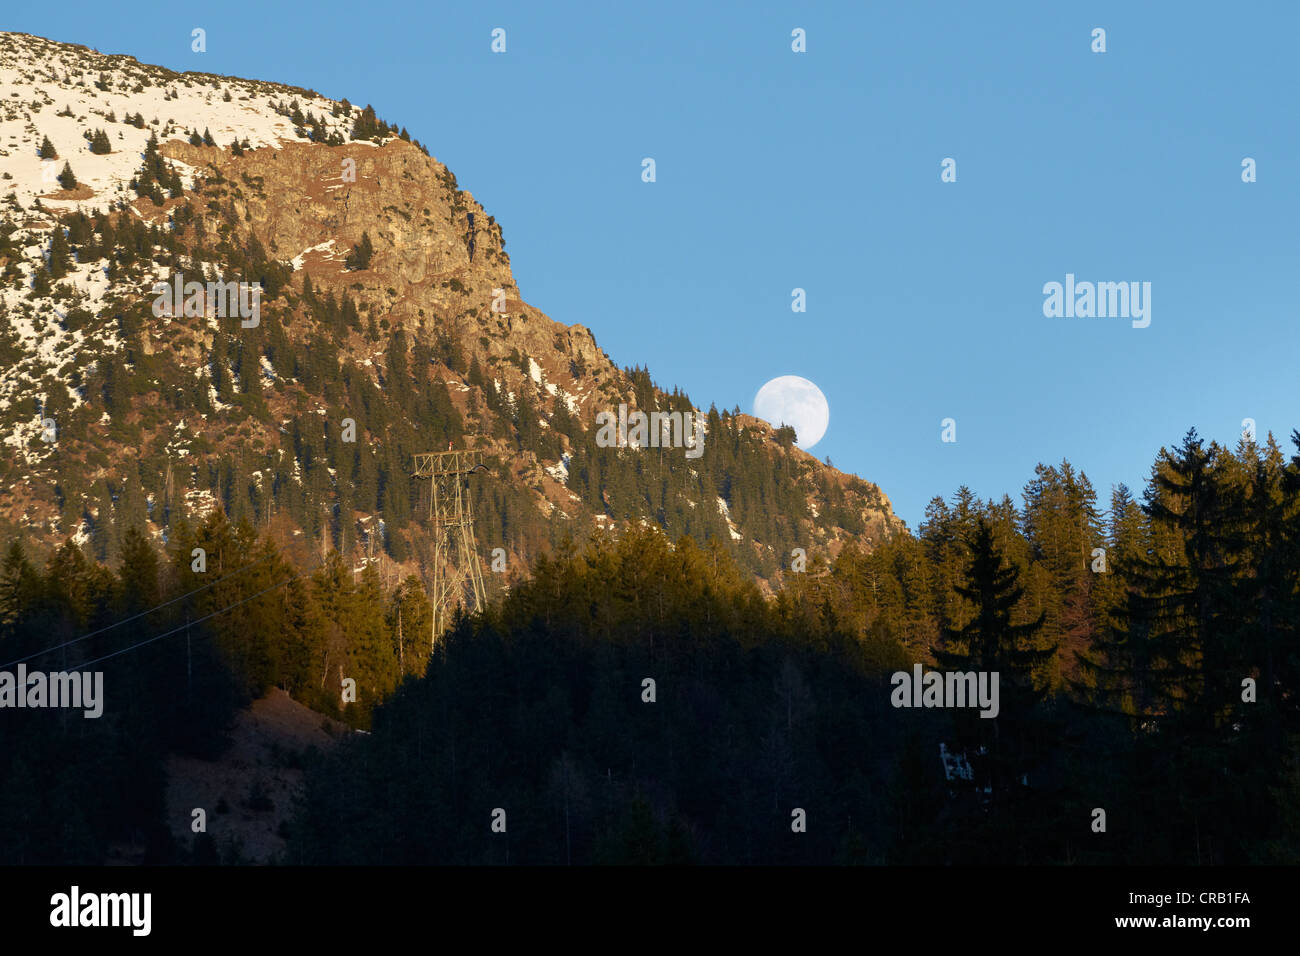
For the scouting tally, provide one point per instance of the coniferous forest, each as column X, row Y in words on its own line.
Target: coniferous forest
column 639, row 699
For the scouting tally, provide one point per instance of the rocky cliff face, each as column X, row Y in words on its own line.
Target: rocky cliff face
column 163, row 414
column 314, row 203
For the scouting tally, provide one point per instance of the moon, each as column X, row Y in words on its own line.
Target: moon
column 795, row 401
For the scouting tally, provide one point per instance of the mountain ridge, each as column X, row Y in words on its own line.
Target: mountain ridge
column 272, row 191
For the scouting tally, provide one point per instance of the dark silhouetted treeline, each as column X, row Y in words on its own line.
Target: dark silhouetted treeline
column 72, row 787
column 1148, row 670
column 641, row 701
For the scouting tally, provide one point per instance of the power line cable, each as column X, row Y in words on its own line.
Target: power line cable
column 185, row 626
column 136, row 617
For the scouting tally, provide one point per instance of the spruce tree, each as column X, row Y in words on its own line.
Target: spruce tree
column 366, row 126
column 358, row 260
column 60, row 257
column 47, row 150
column 1188, row 584
column 1199, row 601
column 138, row 575
column 1115, row 670
column 66, row 178
column 991, row 643
column 19, row 585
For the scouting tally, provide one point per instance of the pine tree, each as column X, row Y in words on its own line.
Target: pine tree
column 348, row 316
column 41, row 286
column 1115, row 669
column 397, row 376
column 60, row 256
column 366, row 125
column 66, row 178
column 47, row 150
column 358, row 260
column 1199, row 602
column 1188, row 585
column 475, row 377
column 138, row 574
column 1267, row 601
column 99, row 143
column 410, row 618
column 1283, row 661
column 990, row 643
column 19, row 585
column 1062, row 528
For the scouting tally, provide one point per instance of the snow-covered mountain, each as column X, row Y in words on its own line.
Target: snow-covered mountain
column 387, row 300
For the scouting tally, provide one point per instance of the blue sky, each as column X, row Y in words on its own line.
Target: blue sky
column 821, row 170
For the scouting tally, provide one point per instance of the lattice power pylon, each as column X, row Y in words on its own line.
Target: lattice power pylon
column 452, row 515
